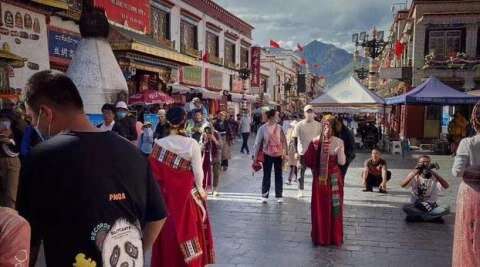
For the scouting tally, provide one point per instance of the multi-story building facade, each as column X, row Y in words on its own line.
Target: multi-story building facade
column 431, row 38
column 281, row 68
column 192, row 46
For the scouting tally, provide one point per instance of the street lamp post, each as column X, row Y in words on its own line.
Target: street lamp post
column 244, row 75
column 374, row 47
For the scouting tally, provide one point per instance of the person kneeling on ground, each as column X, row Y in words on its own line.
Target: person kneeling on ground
column 375, row 173
column 425, row 185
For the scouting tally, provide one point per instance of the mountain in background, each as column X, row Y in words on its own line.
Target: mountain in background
column 328, row 60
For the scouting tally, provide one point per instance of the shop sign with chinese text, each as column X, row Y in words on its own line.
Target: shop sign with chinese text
column 255, row 69
column 134, row 14
column 62, row 44
column 191, row 75
column 214, row 79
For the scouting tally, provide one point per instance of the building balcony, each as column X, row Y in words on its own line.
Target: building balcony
column 231, row 65
column 400, row 73
column 215, row 60
column 189, row 51
column 166, row 43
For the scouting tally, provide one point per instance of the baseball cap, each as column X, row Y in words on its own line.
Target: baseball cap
column 307, row 108
column 121, row 104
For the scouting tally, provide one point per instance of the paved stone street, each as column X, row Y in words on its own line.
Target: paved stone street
column 249, row 233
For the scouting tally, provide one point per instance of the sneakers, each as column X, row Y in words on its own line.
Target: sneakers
column 279, row 200
column 264, row 200
column 300, row 194
column 215, row 193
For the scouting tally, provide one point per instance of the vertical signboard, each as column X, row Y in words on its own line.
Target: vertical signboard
column 134, row 14
column 255, row 62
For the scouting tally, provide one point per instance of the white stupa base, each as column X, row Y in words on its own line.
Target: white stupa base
column 96, row 73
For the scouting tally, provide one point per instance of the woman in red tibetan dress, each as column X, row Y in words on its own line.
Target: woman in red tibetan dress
column 186, row 239
column 324, row 155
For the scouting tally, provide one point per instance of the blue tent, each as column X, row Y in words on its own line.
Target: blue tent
column 433, row 92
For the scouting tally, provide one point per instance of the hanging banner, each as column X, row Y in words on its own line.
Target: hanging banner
column 62, row 44
column 134, row 14
column 25, row 32
column 214, row 79
column 255, row 69
column 191, row 75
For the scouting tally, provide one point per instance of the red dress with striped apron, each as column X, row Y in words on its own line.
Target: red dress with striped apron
column 327, row 196
column 186, row 239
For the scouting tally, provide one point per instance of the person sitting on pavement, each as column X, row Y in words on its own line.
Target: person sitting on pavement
column 125, row 125
column 108, row 111
column 425, row 185
column 375, row 173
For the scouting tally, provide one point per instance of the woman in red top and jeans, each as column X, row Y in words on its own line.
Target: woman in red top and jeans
column 271, row 139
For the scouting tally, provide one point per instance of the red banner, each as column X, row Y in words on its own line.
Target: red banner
column 134, row 14
column 255, row 63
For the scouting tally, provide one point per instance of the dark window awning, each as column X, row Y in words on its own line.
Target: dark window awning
column 125, row 40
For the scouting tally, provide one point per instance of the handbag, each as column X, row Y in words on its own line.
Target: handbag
column 259, row 159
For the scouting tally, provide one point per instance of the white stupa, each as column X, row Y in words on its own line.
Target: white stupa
column 94, row 69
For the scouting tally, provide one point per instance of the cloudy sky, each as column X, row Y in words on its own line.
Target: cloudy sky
column 292, row 21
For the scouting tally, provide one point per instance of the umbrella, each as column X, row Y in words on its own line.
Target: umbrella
column 150, row 97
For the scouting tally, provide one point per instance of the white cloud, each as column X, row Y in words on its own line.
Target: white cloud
column 302, row 21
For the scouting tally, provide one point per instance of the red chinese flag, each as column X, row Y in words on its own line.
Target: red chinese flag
column 399, row 47
column 205, row 57
column 303, row 61
column 274, row 44
column 299, row 47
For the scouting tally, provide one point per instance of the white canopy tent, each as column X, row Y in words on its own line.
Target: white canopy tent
column 349, row 96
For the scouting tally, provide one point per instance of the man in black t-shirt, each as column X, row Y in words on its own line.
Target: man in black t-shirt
column 89, row 195
column 375, row 173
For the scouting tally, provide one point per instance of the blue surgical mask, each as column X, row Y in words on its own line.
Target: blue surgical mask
column 121, row 114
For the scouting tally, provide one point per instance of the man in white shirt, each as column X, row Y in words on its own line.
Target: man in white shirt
column 425, row 185
column 304, row 132
column 108, row 111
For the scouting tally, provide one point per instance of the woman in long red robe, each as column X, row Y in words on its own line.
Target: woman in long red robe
column 466, row 239
column 186, row 239
column 324, row 155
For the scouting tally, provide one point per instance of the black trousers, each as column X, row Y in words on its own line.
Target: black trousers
column 303, row 168
column 245, row 142
column 376, row 180
column 344, row 169
column 276, row 163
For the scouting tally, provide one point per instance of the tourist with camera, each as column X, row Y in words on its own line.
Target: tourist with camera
column 425, row 185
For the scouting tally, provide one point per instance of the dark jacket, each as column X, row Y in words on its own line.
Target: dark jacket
column 126, row 127
column 348, row 142
column 161, row 130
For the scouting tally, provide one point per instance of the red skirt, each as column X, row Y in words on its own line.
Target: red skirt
column 466, row 241
column 186, row 239
column 327, row 228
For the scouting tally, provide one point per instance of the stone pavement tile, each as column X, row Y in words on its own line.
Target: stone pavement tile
column 375, row 231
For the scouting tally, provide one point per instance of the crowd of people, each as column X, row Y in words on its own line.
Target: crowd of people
column 112, row 186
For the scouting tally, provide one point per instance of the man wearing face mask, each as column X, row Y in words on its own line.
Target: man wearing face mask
column 125, row 125
column 81, row 182
column 303, row 133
